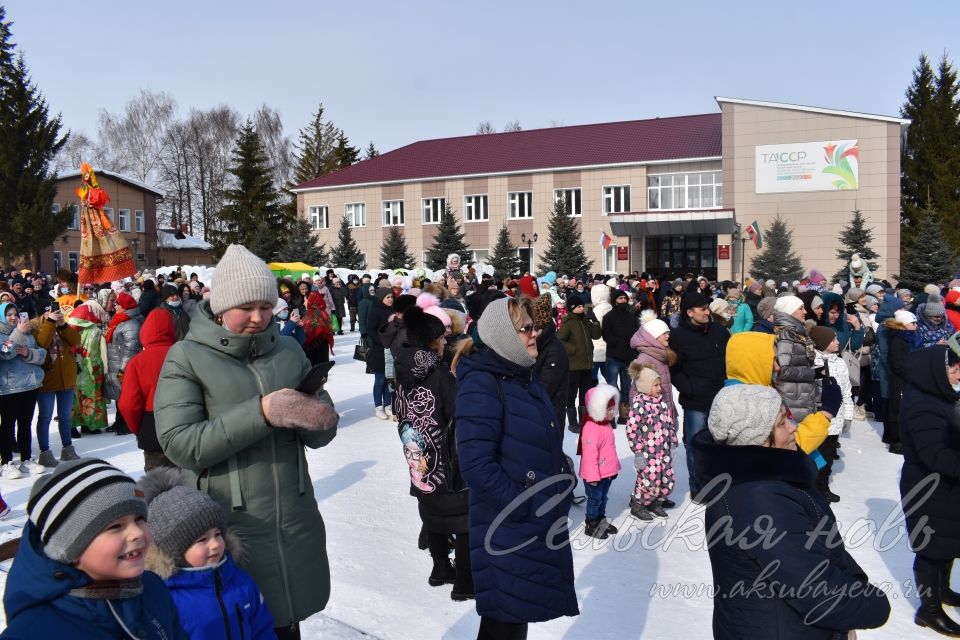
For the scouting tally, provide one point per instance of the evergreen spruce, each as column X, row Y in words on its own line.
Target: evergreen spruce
column 565, row 253
column 343, row 155
column 371, row 151
column 346, row 254
column 394, row 254
column 29, row 141
column 855, row 239
column 301, row 245
column 930, row 160
column 314, row 148
column 777, row 261
column 449, row 239
column 926, row 258
column 253, row 213
column 504, row 258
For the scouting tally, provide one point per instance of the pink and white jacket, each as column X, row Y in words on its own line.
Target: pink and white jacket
column 597, row 445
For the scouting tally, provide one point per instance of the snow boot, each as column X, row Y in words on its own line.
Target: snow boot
column 624, row 412
column 666, row 503
column 607, row 526
column 463, row 583
column 595, row 529
column 658, row 511
column 641, row 513
column 573, row 421
column 47, row 459
column 948, row 596
column 443, row 572
column 931, row 613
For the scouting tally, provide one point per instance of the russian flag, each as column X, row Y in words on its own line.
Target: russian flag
column 605, row 240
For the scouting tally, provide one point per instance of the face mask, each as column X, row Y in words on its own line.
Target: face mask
column 173, row 303
column 64, row 290
column 283, row 315
column 621, row 305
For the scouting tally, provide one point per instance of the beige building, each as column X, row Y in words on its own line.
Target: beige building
column 675, row 194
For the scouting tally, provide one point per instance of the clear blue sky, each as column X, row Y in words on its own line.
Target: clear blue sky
column 404, row 70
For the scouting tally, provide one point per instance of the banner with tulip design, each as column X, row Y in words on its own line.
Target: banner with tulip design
column 832, row 165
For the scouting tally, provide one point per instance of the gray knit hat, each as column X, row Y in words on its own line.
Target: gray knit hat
column 241, row 278
column 765, row 307
column 497, row 332
column 178, row 514
column 744, row 414
column 75, row 503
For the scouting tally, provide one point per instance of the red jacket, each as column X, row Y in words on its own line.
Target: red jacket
column 157, row 335
column 952, row 300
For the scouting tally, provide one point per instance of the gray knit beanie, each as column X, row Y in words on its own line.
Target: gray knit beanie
column 765, row 307
column 74, row 504
column 497, row 332
column 744, row 414
column 241, row 278
column 179, row 515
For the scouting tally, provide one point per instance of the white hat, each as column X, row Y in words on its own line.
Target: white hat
column 656, row 328
column 280, row 306
column 306, row 276
column 719, row 305
column 788, row 304
column 904, row 317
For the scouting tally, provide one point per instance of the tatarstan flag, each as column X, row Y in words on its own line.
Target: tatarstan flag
column 754, row 232
column 605, row 240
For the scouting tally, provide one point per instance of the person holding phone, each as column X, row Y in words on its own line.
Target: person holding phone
column 21, row 374
column 59, row 382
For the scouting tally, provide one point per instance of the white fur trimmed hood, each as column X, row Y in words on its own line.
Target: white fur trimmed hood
column 598, row 399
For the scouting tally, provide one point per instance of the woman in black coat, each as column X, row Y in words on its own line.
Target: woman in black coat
column 779, row 564
column 380, row 313
column 930, row 480
column 426, row 403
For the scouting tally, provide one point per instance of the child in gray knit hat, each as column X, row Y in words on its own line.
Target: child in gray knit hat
column 192, row 551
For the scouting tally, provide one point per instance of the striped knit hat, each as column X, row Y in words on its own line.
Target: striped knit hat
column 71, row 506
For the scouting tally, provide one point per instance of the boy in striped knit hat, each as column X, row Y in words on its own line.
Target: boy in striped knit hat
column 79, row 570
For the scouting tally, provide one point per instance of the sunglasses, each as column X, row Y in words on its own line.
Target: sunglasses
column 527, row 328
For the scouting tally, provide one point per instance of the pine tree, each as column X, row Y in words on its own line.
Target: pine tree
column 300, row 245
column 346, row 254
column 252, row 202
column 565, row 252
column 504, row 258
column 29, row 141
column 855, row 239
column 449, row 239
column 371, row 151
column 394, row 253
column 314, row 149
column 926, row 258
column 777, row 261
column 930, row 160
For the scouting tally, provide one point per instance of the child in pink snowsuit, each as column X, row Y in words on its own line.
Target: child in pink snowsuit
column 599, row 463
column 652, row 435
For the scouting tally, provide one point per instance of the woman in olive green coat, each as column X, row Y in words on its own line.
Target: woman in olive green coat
column 227, row 413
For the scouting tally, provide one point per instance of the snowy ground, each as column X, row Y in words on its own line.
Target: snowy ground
column 380, row 577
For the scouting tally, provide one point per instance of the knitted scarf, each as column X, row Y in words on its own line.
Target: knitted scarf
column 119, row 317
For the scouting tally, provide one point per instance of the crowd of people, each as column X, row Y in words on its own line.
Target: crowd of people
column 761, row 383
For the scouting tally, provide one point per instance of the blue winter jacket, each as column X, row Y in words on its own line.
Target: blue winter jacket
column 508, row 440
column 37, row 603
column 19, row 374
column 220, row 602
column 880, row 364
column 845, row 332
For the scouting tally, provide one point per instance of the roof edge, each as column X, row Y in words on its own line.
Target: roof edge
column 116, row 176
column 468, row 176
column 809, row 109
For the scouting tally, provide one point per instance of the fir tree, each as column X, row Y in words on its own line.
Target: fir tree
column 777, row 261
column 343, row 155
column 504, row 258
column 565, row 252
column 855, row 239
column 252, row 201
column 29, row 141
column 301, row 245
column 394, row 253
column 346, row 254
column 930, row 160
column 926, row 258
column 314, row 148
column 371, row 151
column 449, row 239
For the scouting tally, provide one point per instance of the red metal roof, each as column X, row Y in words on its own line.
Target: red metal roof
column 661, row 139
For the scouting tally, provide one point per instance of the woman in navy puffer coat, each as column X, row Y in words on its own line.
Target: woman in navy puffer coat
column 520, row 485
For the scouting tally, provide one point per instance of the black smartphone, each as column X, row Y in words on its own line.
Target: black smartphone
column 313, row 381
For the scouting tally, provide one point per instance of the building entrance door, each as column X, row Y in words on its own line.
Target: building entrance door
column 673, row 256
column 526, row 259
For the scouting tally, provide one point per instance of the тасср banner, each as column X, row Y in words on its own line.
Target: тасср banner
column 808, row 166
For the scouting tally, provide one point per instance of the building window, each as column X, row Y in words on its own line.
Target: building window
column 139, row 221
column 74, row 259
column 57, row 260
column 616, row 199
column 124, row 222
column 141, row 258
column 319, row 217
column 475, row 208
column 695, row 190
column 571, row 200
column 356, row 213
column 393, row 213
column 75, row 221
column 676, row 254
column 521, row 205
column 433, row 209
column 56, row 207
column 109, row 212
column 610, row 259
column 479, row 256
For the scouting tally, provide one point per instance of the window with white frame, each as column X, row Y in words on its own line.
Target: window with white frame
column 109, row 212
column 74, row 259
column 610, row 258
column 356, row 213
column 57, row 260
column 433, row 209
column 123, row 222
column 139, row 221
column 475, row 208
column 571, row 200
column 75, row 220
column 616, row 199
column 319, row 217
column 393, row 213
column 479, row 256
column 692, row 190
column 521, row 204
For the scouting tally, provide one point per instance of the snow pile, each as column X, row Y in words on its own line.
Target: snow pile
column 169, row 240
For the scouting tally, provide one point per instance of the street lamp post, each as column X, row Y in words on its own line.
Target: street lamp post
column 529, row 241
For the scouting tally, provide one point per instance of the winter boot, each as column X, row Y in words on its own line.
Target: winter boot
column 47, row 459
column 463, row 583
column 948, row 596
column 624, row 412
column 822, row 483
column 595, row 529
column 443, row 572
column 607, row 526
column 573, row 421
column 666, row 503
column 657, row 510
column 640, row 512
column 931, row 613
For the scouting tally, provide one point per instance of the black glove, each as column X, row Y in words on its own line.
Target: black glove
column 831, row 397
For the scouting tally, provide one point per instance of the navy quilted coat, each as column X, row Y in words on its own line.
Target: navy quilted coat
column 508, row 439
